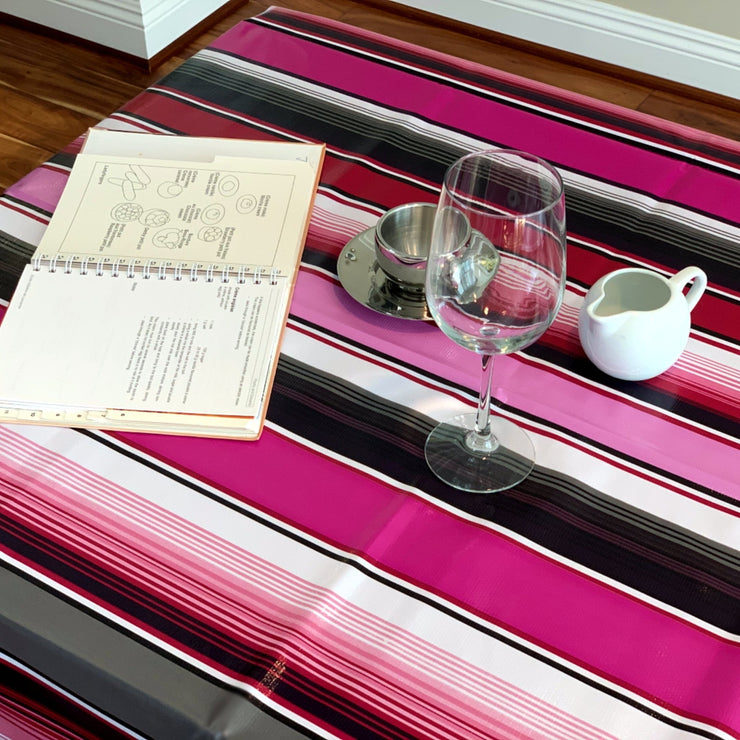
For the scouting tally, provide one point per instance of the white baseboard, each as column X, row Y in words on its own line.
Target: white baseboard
column 117, row 25
column 602, row 31
column 591, row 28
column 165, row 21
column 141, row 28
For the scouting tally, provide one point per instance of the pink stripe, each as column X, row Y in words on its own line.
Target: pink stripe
column 568, row 613
column 693, row 454
column 679, row 130
column 41, row 188
column 579, row 618
column 562, row 143
column 17, row 723
column 237, row 592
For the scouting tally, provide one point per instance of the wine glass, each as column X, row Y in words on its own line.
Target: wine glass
column 494, row 281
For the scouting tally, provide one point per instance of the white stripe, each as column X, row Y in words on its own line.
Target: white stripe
column 495, row 95
column 56, row 688
column 606, row 190
column 565, row 455
column 525, row 674
column 22, row 226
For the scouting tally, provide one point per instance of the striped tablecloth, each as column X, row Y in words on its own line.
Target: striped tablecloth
column 321, row 582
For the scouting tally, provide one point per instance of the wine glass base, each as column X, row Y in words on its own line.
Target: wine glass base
column 485, row 466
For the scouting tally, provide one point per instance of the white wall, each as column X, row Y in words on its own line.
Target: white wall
column 619, row 35
column 696, row 42
column 716, row 16
column 138, row 27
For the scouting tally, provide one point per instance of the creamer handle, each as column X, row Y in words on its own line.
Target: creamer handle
column 681, row 279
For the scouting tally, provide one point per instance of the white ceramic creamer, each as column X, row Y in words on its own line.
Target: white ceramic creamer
column 634, row 323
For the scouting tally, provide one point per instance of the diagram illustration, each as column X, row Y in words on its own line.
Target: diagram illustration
column 135, row 178
column 166, row 233
column 228, row 185
column 125, row 212
column 169, row 189
column 167, row 238
column 246, row 203
column 212, row 214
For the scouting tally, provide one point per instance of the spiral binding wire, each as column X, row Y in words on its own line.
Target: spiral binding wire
column 132, row 268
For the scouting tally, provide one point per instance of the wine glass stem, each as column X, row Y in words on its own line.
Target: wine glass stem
column 481, row 439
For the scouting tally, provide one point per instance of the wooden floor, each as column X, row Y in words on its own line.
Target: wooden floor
column 52, row 89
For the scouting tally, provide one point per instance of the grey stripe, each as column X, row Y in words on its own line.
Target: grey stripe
column 121, row 677
column 679, row 548
column 693, row 239
column 429, row 146
column 357, row 120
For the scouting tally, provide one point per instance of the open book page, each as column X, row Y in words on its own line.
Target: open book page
column 177, row 346
column 158, row 295
column 137, row 145
column 245, row 213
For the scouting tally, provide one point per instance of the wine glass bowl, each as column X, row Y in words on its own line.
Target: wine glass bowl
column 495, row 279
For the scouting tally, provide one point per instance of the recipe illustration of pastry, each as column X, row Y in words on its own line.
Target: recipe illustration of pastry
column 155, row 302
column 204, row 212
column 172, row 225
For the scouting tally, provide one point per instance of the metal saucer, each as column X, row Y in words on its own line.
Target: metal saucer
column 361, row 276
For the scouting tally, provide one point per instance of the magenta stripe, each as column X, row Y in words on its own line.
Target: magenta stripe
column 562, row 143
column 678, row 130
column 41, row 188
column 263, row 605
column 571, row 614
column 552, row 396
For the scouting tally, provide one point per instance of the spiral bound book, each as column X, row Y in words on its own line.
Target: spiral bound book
column 158, row 295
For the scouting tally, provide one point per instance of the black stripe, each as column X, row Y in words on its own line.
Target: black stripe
column 15, row 254
column 562, row 515
column 459, row 76
column 548, row 354
column 661, row 240
column 123, row 448
column 593, row 217
column 317, row 118
column 181, row 627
